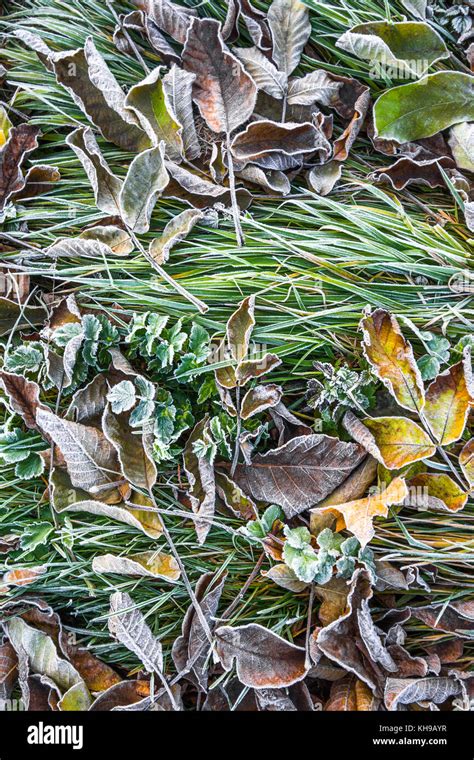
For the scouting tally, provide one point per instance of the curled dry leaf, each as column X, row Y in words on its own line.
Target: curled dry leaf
column 178, row 88
column 263, row 137
column 150, row 564
column 22, row 140
column 300, row 473
column 171, row 18
column 333, row 596
column 344, row 143
column 461, row 142
column 391, row 358
column 105, row 185
column 239, row 329
column 260, row 398
column 322, row 179
column 127, row 625
column 448, row 401
column 358, row 515
column 234, row 498
column 456, row 618
column 263, row 659
column 393, row 441
column 200, row 474
column 132, row 448
column 197, row 191
column 249, row 369
column 23, row 398
column 264, row 73
column 95, row 90
column 401, row 691
column 407, row 171
column 174, row 232
column 39, row 179
column 191, row 650
column 316, row 87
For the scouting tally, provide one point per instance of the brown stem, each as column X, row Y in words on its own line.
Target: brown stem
column 235, row 459
column 127, row 36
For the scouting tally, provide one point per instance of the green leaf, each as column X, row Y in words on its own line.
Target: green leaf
column 429, row 367
column 23, row 359
column 410, row 47
column 92, row 329
column 424, row 108
column 35, row 534
column 66, row 332
column 122, row 396
column 31, row 467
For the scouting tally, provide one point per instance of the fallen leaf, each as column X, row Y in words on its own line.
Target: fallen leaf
column 223, row 91
column 401, row 691
column 393, row 441
column 151, row 564
column 23, row 576
column 145, row 181
column 321, row 179
column 93, row 87
column 250, row 369
column 90, row 458
column 272, row 181
column 448, row 401
column 178, row 87
column 435, row 492
column 285, row 577
column 171, row 18
column 175, row 231
column 263, row 137
column 198, row 191
column 461, row 142
column 344, row 143
column 408, row 171
column 132, row 448
column 333, row 596
column 351, row 694
column 466, row 460
column 411, row 47
column 127, row 625
column 290, row 28
column 39, row 179
column 358, row 515
column 263, row 659
column 260, row 398
column 300, row 473
column 263, row 72
column 234, row 498
column 22, row 140
column 148, row 100
column 424, row 108
column 391, row 358
column 316, row 87
column 200, row 474
column 23, row 398
column 105, row 184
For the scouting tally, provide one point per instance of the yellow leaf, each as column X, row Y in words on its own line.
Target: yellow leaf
column 350, row 694
column 395, row 441
column 448, row 399
column 391, row 357
column 437, row 492
column 358, row 515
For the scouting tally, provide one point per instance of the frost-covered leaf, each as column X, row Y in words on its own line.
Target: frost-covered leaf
column 263, row 137
column 178, row 87
column 132, row 448
column 105, row 185
column 174, row 232
column 448, row 401
column 285, row 577
column 435, row 492
column 407, row 691
column 200, row 474
column 316, row 87
column 264, row 73
column 260, row 398
column 145, row 181
column 21, row 141
column 322, row 178
column 151, row 564
column 122, row 396
column 461, row 141
column 127, row 625
column 466, row 460
column 263, row 659
column 223, row 91
column 424, row 108
column 290, row 28
column 239, row 329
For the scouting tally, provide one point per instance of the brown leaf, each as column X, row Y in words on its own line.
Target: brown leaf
column 263, row 137
column 127, row 624
column 152, row 564
column 197, row 191
column 456, row 617
column 407, row 171
column 358, row 515
column 132, row 448
column 171, row 18
column 333, row 596
column 448, row 401
column 122, row 694
column 23, row 576
column 300, row 473
column 400, row 691
column 234, row 498
column 391, row 358
column 260, row 398
column 8, row 671
column 200, row 474
column 351, row 694
column 322, row 179
column 344, row 143
column 23, row 397
column 223, row 91
column 264, row 73
column 105, row 184
column 249, row 369
column 284, row 576
column 38, row 180
column 21, row 141
column 239, row 329
column 263, row 659
column 354, row 642
column 178, row 87
column 190, row 650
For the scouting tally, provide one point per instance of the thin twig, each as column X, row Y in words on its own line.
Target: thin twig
column 227, row 613
column 308, row 627
column 233, row 195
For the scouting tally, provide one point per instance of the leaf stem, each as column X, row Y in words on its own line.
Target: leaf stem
column 233, row 195
column 235, row 458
